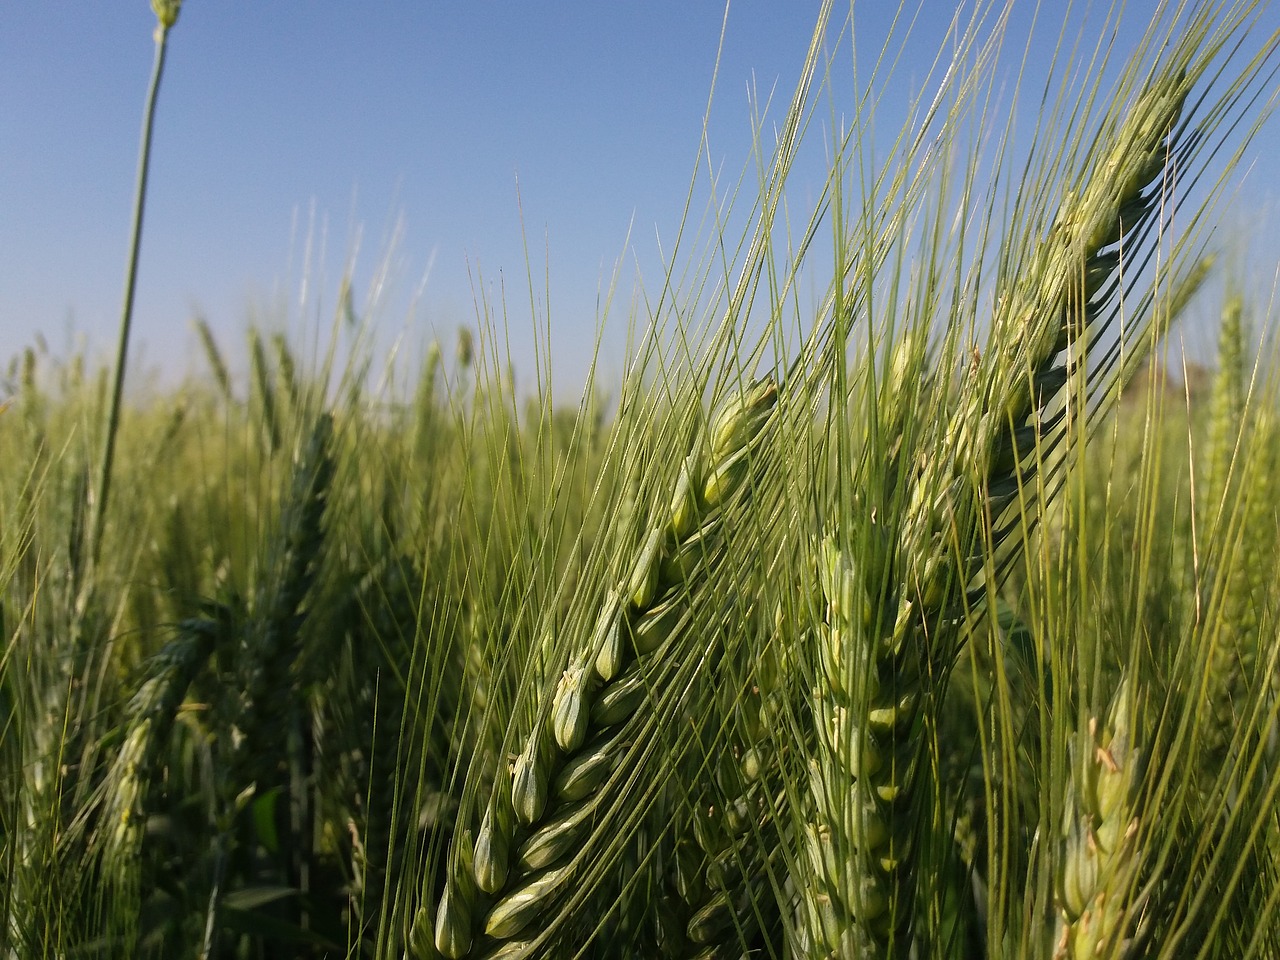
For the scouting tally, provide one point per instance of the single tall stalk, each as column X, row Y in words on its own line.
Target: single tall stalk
column 166, row 16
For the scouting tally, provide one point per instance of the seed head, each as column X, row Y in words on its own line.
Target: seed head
column 166, row 12
column 742, row 419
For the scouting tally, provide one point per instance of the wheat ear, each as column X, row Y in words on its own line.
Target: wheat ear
column 270, row 646
column 886, row 628
column 151, row 716
column 1067, row 291
column 1098, row 900
column 859, row 840
column 272, row 640
column 526, row 848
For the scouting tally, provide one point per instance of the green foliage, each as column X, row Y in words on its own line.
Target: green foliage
column 833, row 636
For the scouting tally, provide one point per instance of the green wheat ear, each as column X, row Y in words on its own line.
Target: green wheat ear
column 1098, row 899
column 138, row 772
column 893, row 623
column 166, row 12
column 529, row 843
column 1225, row 505
column 1226, row 408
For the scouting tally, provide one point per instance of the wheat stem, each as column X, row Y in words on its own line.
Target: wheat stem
column 166, row 16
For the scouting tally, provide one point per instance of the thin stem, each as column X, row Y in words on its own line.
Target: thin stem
column 130, row 284
column 209, row 943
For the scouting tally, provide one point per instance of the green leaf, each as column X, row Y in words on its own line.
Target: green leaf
column 251, row 898
column 263, row 811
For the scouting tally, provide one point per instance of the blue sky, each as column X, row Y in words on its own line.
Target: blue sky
column 280, row 122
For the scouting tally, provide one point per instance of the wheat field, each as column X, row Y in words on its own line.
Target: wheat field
column 937, row 618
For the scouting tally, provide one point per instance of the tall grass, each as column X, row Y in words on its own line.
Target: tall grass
column 903, row 623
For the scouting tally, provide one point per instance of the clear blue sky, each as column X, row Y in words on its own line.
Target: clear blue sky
column 371, row 114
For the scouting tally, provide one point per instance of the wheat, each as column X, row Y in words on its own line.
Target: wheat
column 629, row 655
column 1098, row 900
column 577, row 737
column 265, row 704
column 1059, row 300
column 286, row 375
column 263, row 391
column 217, row 366
column 895, row 614
column 720, row 877
column 859, row 842
column 272, row 641
column 1235, row 553
column 151, row 717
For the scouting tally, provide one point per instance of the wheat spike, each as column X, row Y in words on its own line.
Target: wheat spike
column 526, row 860
column 1097, row 897
column 898, row 617
column 151, row 716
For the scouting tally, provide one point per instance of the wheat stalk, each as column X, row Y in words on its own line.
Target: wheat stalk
column 166, row 12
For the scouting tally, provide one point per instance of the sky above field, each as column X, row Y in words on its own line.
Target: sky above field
column 464, row 156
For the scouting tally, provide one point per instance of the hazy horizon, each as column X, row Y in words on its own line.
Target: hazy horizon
column 460, row 153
